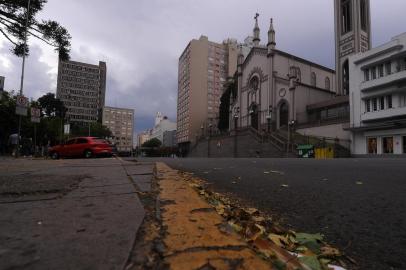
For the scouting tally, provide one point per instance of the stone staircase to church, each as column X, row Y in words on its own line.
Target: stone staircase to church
column 247, row 142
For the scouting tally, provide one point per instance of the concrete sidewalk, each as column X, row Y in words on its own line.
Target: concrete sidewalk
column 68, row 214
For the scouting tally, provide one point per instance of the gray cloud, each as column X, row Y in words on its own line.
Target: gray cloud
column 142, row 40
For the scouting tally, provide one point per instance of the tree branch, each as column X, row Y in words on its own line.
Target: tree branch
column 4, row 34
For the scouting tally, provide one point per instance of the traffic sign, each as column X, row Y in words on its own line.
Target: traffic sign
column 35, row 115
column 22, row 101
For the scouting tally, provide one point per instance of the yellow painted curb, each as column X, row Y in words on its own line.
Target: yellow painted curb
column 193, row 239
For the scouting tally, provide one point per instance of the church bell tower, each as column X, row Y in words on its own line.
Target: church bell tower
column 352, row 35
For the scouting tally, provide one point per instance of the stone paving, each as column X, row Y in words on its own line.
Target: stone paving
column 68, row 214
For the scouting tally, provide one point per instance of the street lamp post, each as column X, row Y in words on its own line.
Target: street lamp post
column 209, row 140
column 290, row 125
column 269, row 118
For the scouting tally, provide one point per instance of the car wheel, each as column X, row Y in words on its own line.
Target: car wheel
column 54, row 155
column 88, row 154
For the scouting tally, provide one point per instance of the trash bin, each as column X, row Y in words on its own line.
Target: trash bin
column 305, row 151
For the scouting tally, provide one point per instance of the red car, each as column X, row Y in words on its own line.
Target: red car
column 82, row 146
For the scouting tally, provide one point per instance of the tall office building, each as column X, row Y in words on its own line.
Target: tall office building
column 82, row 89
column 204, row 68
column 121, row 124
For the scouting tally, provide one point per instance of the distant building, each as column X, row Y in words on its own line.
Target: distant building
column 121, row 123
column 378, row 99
column 82, row 89
column 169, row 139
column 162, row 124
column 143, row 137
column 203, row 71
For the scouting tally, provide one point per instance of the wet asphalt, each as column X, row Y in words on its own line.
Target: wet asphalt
column 358, row 204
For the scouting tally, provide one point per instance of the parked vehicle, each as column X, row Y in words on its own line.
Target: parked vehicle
column 81, row 146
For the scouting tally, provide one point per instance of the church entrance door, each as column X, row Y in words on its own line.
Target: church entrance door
column 283, row 115
column 254, row 116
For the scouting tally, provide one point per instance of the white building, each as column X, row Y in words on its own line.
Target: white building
column 162, row 124
column 143, row 137
column 378, row 99
column 121, row 124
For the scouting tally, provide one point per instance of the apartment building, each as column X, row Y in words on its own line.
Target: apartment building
column 378, row 99
column 204, row 68
column 121, row 123
column 82, row 89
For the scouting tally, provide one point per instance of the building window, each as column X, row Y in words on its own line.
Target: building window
column 346, row 78
column 327, row 83
column 374, row 104
column 380, row 71
column 298, row 74
column 389, row 101
column 382, row 103
column 367, row 105
column 372, row 145
column 364, row 15
column 346, row 20
column 373, row 73
column 366, row 74
column 387, row 145
column 388, row 67
column 313, row 79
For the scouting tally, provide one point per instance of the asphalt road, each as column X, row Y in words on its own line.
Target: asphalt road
column 358, row 204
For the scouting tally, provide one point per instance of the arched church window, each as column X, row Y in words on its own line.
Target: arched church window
column 298, row 74
column 346, row 18
column 364, row 15
column 327, row 83
column 254, row 83
column 313, row 79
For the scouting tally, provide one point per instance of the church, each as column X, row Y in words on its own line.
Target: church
column 278, row 90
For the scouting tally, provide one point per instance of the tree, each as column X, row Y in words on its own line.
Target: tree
column 224, row 117
column 153, row 143
column 96, row 130
column 13, row 15
column 51, row 106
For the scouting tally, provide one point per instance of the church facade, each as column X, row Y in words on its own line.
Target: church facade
column 278, row 90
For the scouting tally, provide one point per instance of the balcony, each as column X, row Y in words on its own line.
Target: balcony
column 382, row 81
column 383, row 115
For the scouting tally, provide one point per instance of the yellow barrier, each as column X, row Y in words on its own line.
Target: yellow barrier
column 324, row 153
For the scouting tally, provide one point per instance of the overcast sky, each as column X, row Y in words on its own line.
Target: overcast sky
column 141, row 41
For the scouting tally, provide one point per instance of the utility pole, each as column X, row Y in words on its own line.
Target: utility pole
column 22, row 75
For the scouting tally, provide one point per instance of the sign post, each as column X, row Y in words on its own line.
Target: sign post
column 21, row 110
column 35, row 118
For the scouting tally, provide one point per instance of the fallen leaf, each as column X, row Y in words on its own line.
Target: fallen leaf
column 285, row 186
column 234, row 182
column 279, row 240
column 267, row 172
column 251, row 211
column 278, row 172
column 235, row 226
column 258, row 219
column 359, row 183
column 328, row 251
column 311, row 261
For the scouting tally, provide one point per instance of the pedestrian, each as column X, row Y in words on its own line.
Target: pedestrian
column 13, row 141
